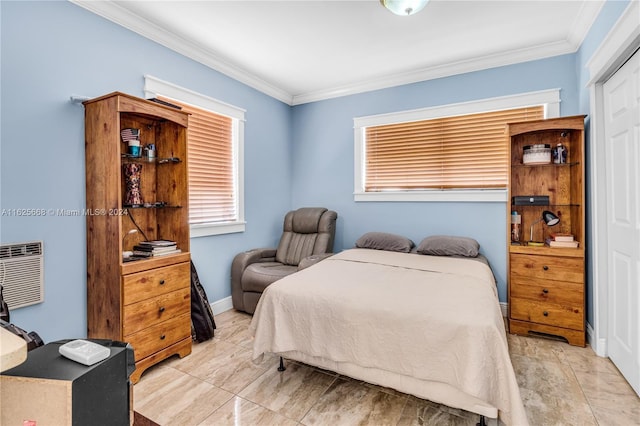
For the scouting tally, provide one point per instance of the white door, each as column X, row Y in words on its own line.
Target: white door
column 622, row 146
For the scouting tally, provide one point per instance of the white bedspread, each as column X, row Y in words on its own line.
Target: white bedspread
column 425, row 325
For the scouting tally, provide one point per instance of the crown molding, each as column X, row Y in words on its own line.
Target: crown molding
column 140, row 25
column 444, row 70
column 618, row 45
column 583, row 22
column 112, row 11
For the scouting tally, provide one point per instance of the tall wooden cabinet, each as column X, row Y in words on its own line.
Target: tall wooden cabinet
column 144, row 302
column 546, row 285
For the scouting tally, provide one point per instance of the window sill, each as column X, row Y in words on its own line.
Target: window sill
column 207, row 229
column 462, row 196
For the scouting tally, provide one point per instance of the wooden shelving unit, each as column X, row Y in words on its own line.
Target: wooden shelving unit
column 144, row 302
column 546, row 284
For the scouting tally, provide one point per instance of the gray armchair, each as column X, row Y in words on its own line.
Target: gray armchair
column 307, row 238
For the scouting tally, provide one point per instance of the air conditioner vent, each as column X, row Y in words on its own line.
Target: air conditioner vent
column 21, row 274
column 20, row 250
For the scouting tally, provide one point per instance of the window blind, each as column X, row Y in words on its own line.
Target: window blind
column 212, row 193
column 460, row 152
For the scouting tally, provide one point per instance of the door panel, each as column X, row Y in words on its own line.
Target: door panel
column 622, row 139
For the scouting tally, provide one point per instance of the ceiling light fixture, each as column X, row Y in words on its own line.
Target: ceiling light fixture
column 404, row 7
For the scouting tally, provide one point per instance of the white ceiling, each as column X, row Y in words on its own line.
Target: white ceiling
column 302, row 51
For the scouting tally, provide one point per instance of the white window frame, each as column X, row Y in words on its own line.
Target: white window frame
column 154, row 87
column 549, row 98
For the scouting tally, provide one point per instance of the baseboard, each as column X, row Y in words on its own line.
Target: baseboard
column 222, row 305
column 599, row 346
column 503, row 308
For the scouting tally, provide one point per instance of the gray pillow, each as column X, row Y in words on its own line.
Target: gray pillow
column 385, row 241
column 444, row 245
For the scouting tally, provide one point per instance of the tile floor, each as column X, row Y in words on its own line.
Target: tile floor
column 218, row 384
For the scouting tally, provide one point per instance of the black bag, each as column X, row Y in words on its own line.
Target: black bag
column 4, row 308
column 32, row 338
column 202, row 322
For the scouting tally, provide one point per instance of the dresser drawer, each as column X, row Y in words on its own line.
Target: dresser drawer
column 547, row 267
column 159, row 336
column 141, row 315
column 566, row 316
column 148, row 284
column 561, row 292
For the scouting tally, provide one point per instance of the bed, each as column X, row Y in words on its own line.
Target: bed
column 425, row 325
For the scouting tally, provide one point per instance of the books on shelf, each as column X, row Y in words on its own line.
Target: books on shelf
column 562, row 240
column 141, row 253
column 155, row 248
column 157, row 243
column 570, row 244
column 137, row 253
column 164, row 253
column 561, row 237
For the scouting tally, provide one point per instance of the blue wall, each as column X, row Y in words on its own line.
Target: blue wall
column 51, row 50
column 293, row 156
column 323, row 156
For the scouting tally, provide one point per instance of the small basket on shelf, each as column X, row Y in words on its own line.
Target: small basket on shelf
column 536, row 154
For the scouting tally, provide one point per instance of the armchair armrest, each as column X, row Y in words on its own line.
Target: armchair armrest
column 256, row 255
column 240, row 263
column 312, row 260
column 246, row 258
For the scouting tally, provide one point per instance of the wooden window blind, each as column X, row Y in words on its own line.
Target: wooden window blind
column 460, row 152
column 212, row 189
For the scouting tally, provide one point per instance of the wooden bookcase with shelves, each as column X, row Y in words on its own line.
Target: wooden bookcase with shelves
column 145, row 302
column 546, row 293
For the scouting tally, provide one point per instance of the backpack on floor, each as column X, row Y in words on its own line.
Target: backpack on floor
column 202, row 322
column 4, row 308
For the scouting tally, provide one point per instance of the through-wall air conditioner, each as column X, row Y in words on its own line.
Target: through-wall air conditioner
column 21, row 274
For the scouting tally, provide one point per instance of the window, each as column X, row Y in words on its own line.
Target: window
column 461, row 152
column 453, row 153
column 215, row 140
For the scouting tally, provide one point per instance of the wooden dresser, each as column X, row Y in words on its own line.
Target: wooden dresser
column 157, row 313
column 547, row 294
column 546, row 285
column 145, row 302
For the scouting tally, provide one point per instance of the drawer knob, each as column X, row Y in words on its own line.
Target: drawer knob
column 545, row 291
column 545, row 313
column 545, row 267
column 162, row 337
column 161, row 282
column 161, row 310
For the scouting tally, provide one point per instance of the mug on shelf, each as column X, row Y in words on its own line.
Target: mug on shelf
column 134, row 148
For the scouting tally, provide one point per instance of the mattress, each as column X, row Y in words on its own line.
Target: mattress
column 429, row 326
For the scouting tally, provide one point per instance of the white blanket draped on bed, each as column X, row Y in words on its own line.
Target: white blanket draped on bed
column 426, row 325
